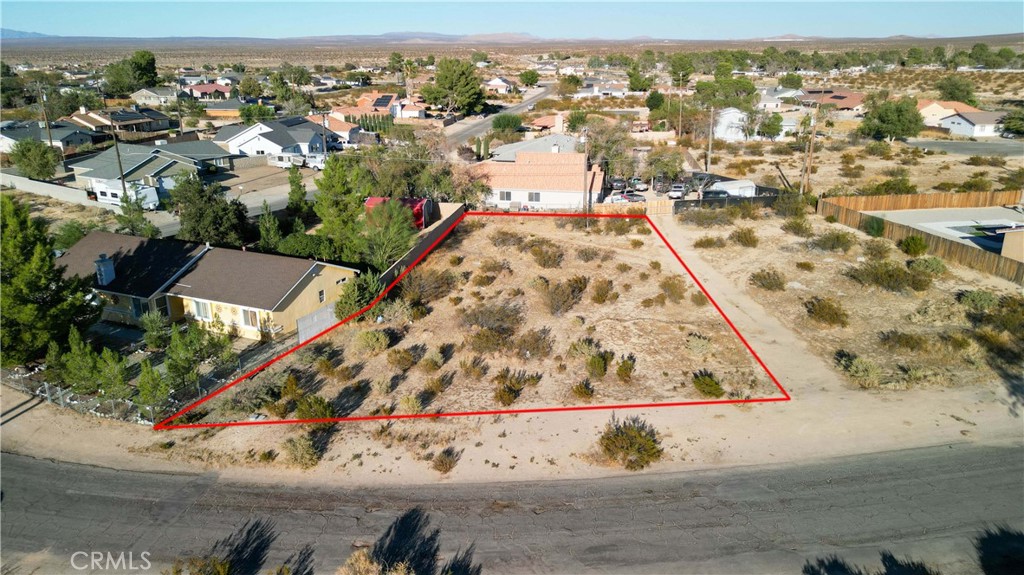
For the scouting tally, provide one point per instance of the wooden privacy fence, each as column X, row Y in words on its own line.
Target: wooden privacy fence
column 847, row 211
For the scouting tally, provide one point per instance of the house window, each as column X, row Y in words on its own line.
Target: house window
column 250, row 318
column 113, row 195
column 202, row 310
column 260, row 152
column 322, row 296
column 534, row 196
column 505, row 196
column 103, row 194
column 139, row 307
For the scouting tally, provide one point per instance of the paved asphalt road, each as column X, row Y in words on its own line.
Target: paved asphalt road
column 1001, row 147
column 477, row 126
column 925, row 504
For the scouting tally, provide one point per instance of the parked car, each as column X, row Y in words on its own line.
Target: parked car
column 631, row 197
column 714, row 194
column 624, row 198
column 530, row 108
column 618, row 184
column 677, row 191
column 638, row 184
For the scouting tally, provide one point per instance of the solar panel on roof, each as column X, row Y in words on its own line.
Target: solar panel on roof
column 382, row 102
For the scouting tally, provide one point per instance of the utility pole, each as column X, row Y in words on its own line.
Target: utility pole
column 805, row 180
column 711, row 137
column 586, row 179
column 46, row 122
column 679, row 124
column 117, row 152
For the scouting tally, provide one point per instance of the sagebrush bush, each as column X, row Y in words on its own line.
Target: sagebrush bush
column 827, row 311
column 699, row 299
column 517, row 379
column 445, row 461
column 877, row 249
column 873, row 226
column 495, row 267
column 583, row 390
column 603, row 292
column 506, row 395
column 411, row 405
column 745, row 237
column 895, row 339
column 421, row 285
column 929, row 265
column 769, row 279
column 588, row 254
column 890, row 276
column 913, row 246
column 623, row 267
column 324, row 367
column 707, row 384
column 978, row 300
column 345, row 373
column 710, row 242
column 805, row 266
column 698, row 344
column 503, row 319
column 632, row 443
column 562, row 296
column 585, row 347
column 382, row 386
column 597, row 365
column 432, row 361
column 534, row 344
column 504, row 238
column 864, row 370
column 401, row 359
column 301, row 451
column 833, row 240
column 673, row 288
column 655, row 265
column 455, row 261
column 624, row 371
column 475, row 368
column 372, row 342
column 706, row 218
column 483, row 280
column 798, row 226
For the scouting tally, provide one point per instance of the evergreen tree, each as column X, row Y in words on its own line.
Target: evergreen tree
column 297, row 204
column 112, row 376
column 956, row 88
column 389, row 234
column 154, row 390
column 132, row 219
column 270, row 230
column 205, row 214
column 893, row 119
column 34, row 159
column 39, row 304
column 456, row 87
column 181, row 360
column 343, row 185
column 143, row 64
column 654, row 100
column 80, row 365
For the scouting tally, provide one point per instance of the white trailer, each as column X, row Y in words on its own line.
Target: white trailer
column 109, row 192
column 286, row 160
column 316, row 161
column 738, row 188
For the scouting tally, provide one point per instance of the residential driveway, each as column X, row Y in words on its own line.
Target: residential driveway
column 995, row 147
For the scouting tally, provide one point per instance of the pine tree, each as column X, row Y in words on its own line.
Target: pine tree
column 181, row 363
column 270, row 230
column 343, row 185
column 297, row 204
column 112, row 376
column 132, row 219
column 39, row 304
column 80, row 365
column 154, row 390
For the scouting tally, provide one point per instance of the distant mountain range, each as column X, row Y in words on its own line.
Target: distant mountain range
column 427, row 38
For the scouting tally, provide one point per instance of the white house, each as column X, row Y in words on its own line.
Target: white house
column 973, row 124
column 62, row 135
column 541, row 181
column 285, row 136
column 158, row 96
column 934, row 111
column 499, row 85
column 729, row 125
column 770, row 103
column 406, row 109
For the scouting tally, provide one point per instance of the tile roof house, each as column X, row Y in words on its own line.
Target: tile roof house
column 841, row 99
column 134, row 119
column 158, row 96
column 555, row 123
column 347, row 132
column 288, row 135
column 369, row 104
column 973, row 124
column 212, row 91
column 63, row 135
column 541, row 180
column 933, row 111
column 259, row 295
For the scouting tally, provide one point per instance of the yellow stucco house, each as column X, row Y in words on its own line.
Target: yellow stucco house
column 258, row 295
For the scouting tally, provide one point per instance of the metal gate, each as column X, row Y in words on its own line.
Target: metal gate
column 310, row 325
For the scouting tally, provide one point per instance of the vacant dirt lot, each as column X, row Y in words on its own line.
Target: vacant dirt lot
column 56, row 212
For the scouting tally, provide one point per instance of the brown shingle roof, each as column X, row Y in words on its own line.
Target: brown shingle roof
column 247, row 279
column 957, row 107
column 141, row 266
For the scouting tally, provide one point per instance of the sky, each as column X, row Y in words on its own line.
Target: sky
column 721, row 20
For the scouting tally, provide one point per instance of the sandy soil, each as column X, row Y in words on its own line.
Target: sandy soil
column 827, row 416
column 56, row 212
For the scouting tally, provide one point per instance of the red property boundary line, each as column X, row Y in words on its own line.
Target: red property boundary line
column 166, row 423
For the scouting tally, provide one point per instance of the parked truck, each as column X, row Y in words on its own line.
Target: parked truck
column 735, row 188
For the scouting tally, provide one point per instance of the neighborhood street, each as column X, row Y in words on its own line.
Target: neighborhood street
column 991, row 147
column 925, row 505
column 477, row 126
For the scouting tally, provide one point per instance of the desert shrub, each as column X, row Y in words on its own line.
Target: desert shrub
column 597, row 365
column 827, row 311
column 585, row 347
column 518, row 379
column 698, row 299
column 895, row 339
column 655, row 266
column 455, row 261
column 432, row 361
column 382, row 386
column 483, row 280
column 913, row 246
column 891, row 187
column 279, row 409
column 492, row 266
column 503, row 319
column 503, row 238
column 624, row 371
column 401, row 359
column 345, row 373
column 798, row 226
column 583, row 390
column 994, row 161
column 314, row 407
column 978, row 182
column 698, row 344
column 421, row 285
column 372, row 342
column 411, row 405
column 445, row 461
column 833, row 240
column 603, row 292
column 769, row 279
column 487, row 341
column 623, row 267
column 928, row 265
column 673, row 288
column 324, row 367
column 877, row 249
column 636, row 244
column 395, row 311
column 863, row 370
column 805, row 266
column 707, row 384
column 505, row 395
column 790, row 204
column 560, row 297
column 978, row 300
column 747, row 211
column 301, row 451
column 588, row 254
column 706, row 218
column 1007, row 316
column 745, row 237
column 890, row 276
column 535, row 343
column 710, row 242
column 879, row 148
column 831, row 219
column 873, row 226
column 455, row 300
column 475, row 368
column 632, row 443
column 436, row 385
